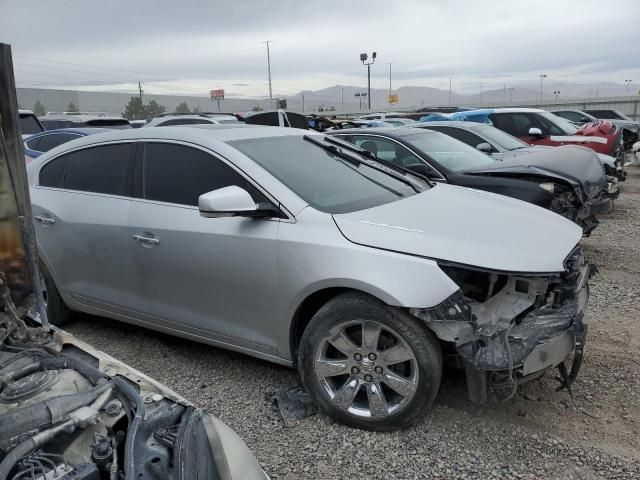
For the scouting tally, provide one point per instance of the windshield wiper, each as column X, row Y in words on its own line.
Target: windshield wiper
column 356, row 161
column 373, row 156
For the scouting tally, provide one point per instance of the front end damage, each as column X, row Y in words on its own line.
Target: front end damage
column 507, row 329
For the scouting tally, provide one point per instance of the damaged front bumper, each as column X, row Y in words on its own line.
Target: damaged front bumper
column 524, row 326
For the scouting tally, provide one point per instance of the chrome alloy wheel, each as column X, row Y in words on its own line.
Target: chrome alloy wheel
column 366, row 369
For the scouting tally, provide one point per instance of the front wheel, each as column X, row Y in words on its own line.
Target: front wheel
column 369, row 365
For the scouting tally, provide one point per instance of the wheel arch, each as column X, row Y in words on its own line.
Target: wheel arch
column 313, row 301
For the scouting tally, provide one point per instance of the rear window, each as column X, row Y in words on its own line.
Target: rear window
column 102, row 169
column 29, row 124
column 52, row 174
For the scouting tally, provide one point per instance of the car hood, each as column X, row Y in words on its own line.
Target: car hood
column 578, row 166
column 469, row 227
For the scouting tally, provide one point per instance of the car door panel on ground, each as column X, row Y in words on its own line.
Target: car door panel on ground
column 87, row 247
column 213, row 277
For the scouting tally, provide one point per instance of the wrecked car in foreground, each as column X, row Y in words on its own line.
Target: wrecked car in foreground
column 70, row 412
column 298, row 248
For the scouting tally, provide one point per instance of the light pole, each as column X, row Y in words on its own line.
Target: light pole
column 628, row 82
column 542, row 77
column 556, row 93
column 269, row 71
column 449, row 90
column 389, row 98
column 510, row 95
column 363, row 58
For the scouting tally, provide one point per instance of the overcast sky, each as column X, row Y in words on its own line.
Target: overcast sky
column 189, row 46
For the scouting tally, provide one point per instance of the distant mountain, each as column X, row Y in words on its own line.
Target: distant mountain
column 414, row 96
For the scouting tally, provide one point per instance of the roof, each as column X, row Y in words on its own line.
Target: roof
column 77, row 130
column 403, row 131
column 448, row 123
column 516, row 109
column 191, row 133
column 80, row 118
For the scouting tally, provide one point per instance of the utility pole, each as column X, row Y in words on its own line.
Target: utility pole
column 269, row 72
column 449, row 90
column 510, row 95
column 389, row 85
column 363, row 58
column 140, row 91
column 542, row 77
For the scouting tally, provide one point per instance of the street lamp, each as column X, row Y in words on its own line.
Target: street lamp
column 542, row 77
column 510, row 95
column 628, row 82
column 363, row 58
column 556, row 93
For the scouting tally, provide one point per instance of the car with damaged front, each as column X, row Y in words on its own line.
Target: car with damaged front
column 301, row 249
column 71, row 412
column 501, row 145
column 569, row 181
column 539, row 127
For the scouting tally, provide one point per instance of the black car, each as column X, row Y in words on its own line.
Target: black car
column 563, row 179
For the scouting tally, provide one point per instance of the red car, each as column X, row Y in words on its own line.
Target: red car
column 539, row 127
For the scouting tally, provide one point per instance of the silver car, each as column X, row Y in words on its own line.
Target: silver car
column 299, row 249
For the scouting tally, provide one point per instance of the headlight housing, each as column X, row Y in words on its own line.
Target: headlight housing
column 548, row 186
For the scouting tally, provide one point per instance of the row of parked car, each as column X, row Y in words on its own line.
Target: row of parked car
column 365, row 257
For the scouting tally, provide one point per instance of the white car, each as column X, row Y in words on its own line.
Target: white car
column 191, row 119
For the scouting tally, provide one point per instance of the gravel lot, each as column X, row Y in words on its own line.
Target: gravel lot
column 538, row 434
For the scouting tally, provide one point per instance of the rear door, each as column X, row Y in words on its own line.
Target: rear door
column 211, row 277
column 80, row 207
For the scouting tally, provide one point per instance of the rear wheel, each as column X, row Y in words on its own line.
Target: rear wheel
column 57, row 312
column 369, row 365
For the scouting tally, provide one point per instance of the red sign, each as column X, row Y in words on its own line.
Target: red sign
column 217, row 94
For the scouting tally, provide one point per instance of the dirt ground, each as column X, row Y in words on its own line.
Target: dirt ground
column 538, row 434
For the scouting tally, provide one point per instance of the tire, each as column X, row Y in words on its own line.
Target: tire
column 384, row 391
column 57, row 312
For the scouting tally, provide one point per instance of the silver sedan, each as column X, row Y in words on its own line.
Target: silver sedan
column 303, row 250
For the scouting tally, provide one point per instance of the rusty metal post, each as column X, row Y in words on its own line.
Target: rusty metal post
column 17, row 235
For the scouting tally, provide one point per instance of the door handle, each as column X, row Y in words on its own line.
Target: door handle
column 44, row 220
column 146, row 240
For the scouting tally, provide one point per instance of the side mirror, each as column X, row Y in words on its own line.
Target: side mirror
column 420, row 168
column 535, row 132
column 227, row 202
column 484, row 147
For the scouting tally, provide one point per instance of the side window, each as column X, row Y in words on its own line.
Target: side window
column 572, row 116
column 464, row 136
column 547, row 127
column 49, row 142
column 179, row 174
column 103, row 169
column 517, row 124
column 387, row 150
column 52, row 173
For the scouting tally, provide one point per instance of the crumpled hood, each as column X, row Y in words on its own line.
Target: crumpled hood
column 596, row 129
column 579, row 166
column 469, row 227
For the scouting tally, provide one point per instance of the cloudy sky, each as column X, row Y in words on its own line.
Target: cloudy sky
column 189, row 46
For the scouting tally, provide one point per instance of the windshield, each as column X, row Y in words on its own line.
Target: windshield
column 562, row 123
column 506, row 141
column 324, row 180
column 447, row 152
